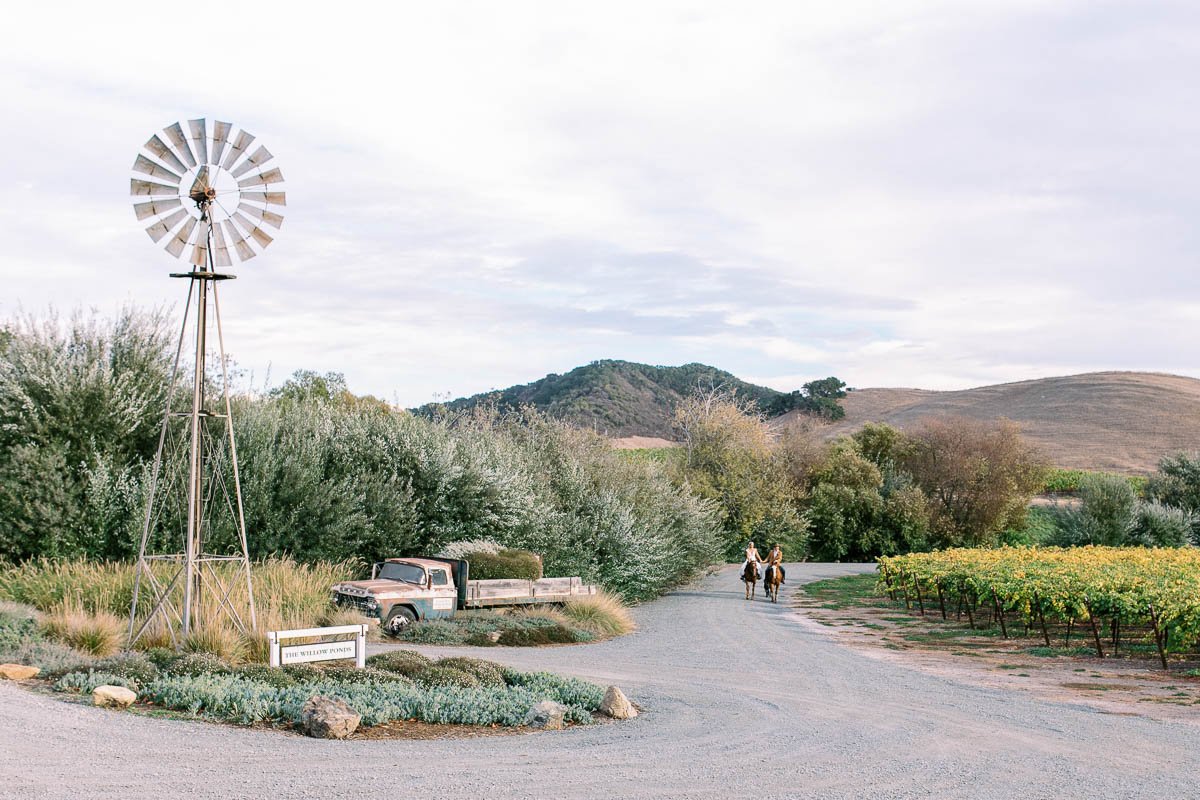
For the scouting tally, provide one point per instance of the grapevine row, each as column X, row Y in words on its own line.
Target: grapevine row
column 1155, row 588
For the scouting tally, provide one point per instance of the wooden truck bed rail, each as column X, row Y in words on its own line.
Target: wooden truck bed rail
column 483, row 594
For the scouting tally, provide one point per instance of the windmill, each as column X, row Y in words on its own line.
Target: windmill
column 208, row 196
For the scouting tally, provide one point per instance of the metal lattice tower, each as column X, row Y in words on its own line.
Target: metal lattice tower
column 227, row 200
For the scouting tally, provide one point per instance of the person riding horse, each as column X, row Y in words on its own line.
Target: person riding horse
column 775, row 561
column 752, row 557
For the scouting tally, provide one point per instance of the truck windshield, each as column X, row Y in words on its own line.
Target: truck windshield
column 408, row 573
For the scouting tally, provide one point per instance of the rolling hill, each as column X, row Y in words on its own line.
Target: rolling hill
column 615, row 398
column 1116, row 421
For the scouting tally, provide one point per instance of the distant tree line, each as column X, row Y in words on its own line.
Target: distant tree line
column 948, row 482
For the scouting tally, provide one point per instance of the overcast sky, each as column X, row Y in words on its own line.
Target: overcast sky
column 899, row 193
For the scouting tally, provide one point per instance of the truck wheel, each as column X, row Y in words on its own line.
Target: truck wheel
column 400, row 618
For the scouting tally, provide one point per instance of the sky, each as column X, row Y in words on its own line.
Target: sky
column 923, row 194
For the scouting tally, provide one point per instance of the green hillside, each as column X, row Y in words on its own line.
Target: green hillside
column 617, row 398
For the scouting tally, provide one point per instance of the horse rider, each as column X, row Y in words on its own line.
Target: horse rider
column 775, row 559
column 752, row 556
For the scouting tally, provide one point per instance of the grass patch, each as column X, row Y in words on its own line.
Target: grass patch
column 1055, row 652
column 851, row 591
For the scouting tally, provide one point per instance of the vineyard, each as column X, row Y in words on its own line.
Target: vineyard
column 1140, row 599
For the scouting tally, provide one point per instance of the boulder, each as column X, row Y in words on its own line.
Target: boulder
column 328, row 718
column 547, row 715
column 616, row 705
column 494, row 636
column 114, row 696
column 18, row 672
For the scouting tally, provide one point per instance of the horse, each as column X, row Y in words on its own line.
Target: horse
column 750, row 578
column 771, row 582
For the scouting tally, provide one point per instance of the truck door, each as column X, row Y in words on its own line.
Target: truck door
column 444, row 595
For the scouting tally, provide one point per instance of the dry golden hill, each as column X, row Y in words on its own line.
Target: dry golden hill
column 1115, row 421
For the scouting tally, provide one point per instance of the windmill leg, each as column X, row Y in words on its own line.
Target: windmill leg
column 154, row 472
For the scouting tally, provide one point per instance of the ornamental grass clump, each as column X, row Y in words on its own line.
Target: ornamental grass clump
column 221, row 641
column 96, row 632
column 601, row 613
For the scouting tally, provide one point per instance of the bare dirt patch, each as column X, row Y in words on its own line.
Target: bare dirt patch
column 642, row 443
column 847, row 610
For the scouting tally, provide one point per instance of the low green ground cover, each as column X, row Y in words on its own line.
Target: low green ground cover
column 398, row 685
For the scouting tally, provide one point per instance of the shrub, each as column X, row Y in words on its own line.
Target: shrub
column 196, row 664
column 472, row 546
column 1158, row 525
column 88, row 681
column 601, row 613
column 532, row 637
column 1038, row 528
column 341, row 673
column 487, row 673
column 403, row 662
column 439, row 675
column 129, row 664
column 261, row 673
column 303, row 673
column 505, row 565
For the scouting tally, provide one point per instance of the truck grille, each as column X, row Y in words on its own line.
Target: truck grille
column 362, row 604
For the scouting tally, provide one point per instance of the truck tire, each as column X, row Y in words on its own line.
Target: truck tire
column 399, row 619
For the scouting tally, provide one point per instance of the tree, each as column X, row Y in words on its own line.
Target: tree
column 729, row 459
column 859, row 511
column 818, row 398
column 1177, row 484
column 979, row 477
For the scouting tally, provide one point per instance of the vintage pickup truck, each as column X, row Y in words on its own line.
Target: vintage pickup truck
column 404, row 590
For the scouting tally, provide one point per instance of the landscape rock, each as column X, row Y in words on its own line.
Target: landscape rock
column 328, row 718
column 547, row 715
column 114, row 696
column 18, row 672
column 616, row 705
column 494, row 636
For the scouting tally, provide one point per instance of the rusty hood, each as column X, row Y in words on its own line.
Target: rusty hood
column 379, row 588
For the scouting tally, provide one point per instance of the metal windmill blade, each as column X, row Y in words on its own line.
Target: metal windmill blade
column 227, row 190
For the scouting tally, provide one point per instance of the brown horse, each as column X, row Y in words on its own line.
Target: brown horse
column 771, row 582
column 750, row 578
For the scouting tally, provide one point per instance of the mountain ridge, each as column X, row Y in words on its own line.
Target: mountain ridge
column 614, row 397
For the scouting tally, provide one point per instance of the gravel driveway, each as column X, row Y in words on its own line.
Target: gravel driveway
column 740, row 701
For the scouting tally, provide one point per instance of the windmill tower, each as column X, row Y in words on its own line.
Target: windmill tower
column 208, row 196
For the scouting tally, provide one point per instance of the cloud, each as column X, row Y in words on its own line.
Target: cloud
column 934, row 194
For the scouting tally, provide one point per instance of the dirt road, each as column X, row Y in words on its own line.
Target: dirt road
column 740, row 701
